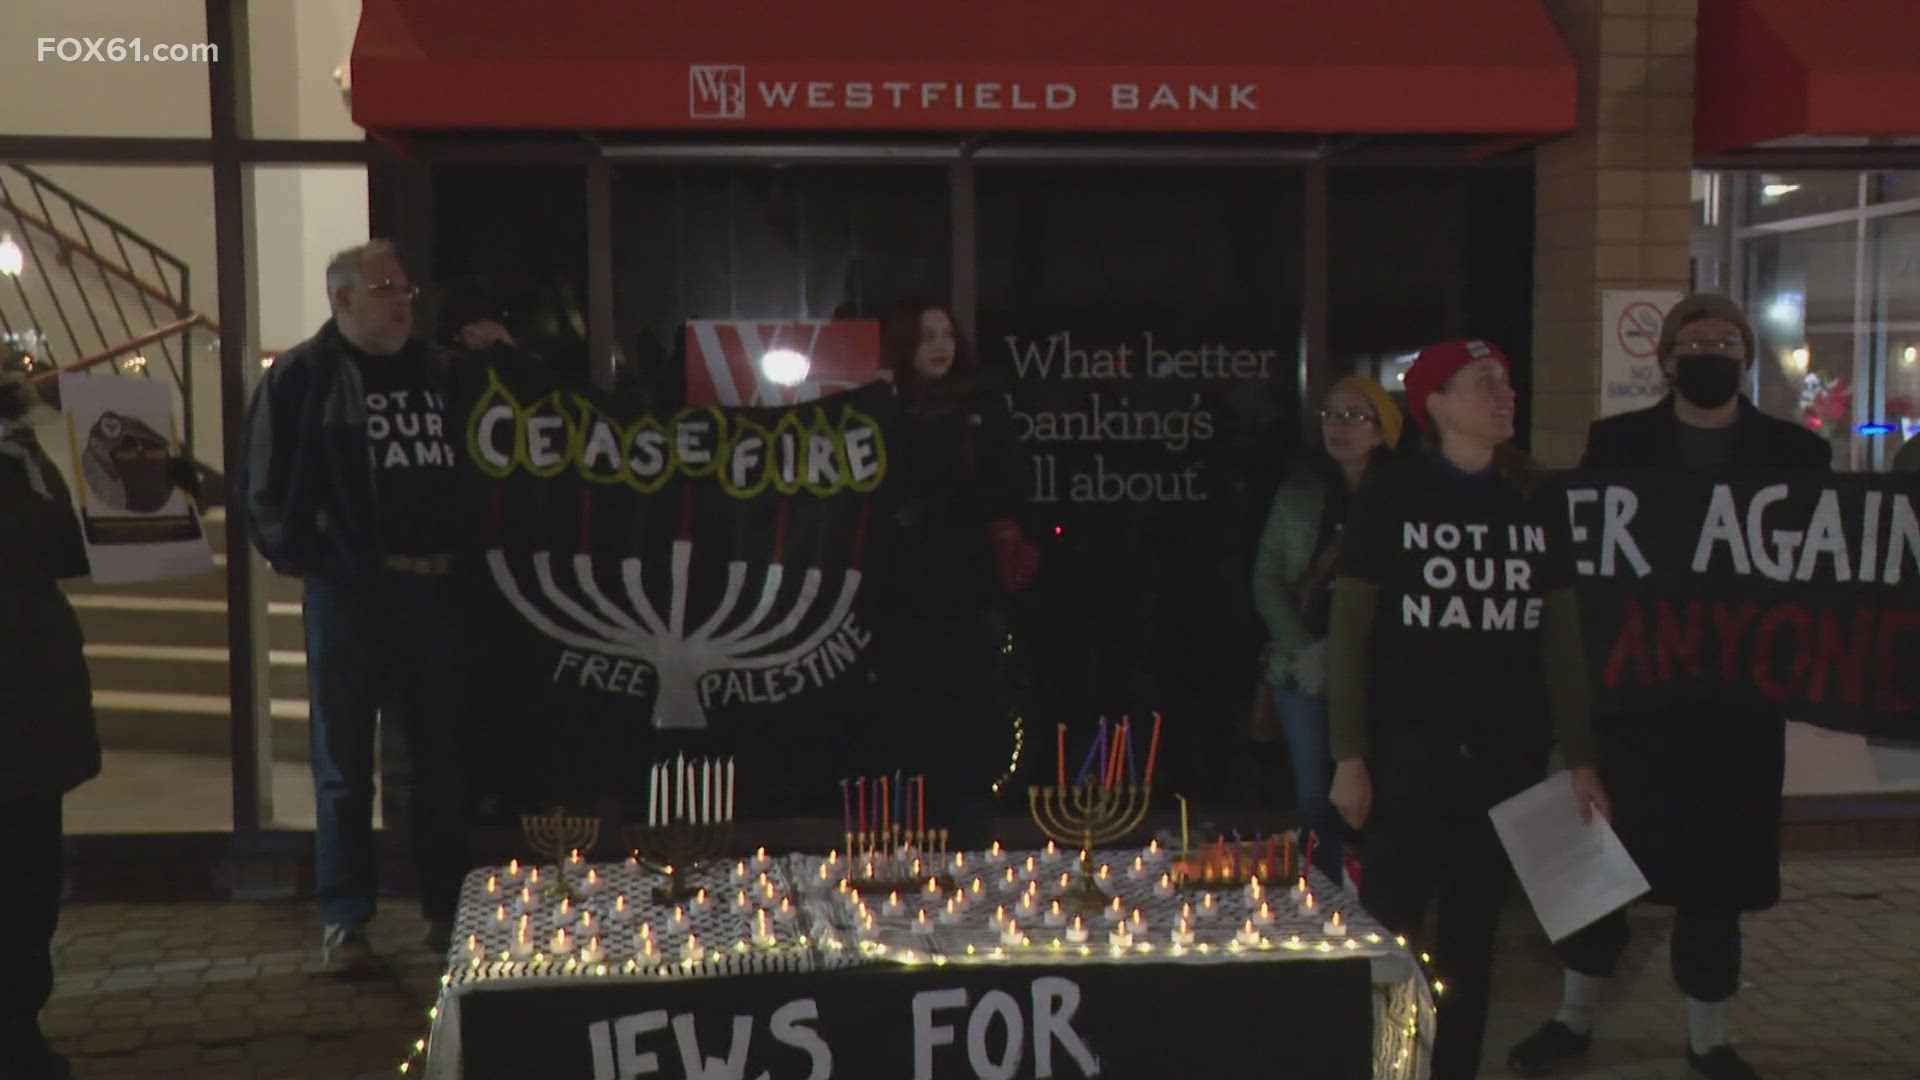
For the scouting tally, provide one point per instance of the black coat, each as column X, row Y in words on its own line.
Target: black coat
column 48, row 745
column 1696, row 784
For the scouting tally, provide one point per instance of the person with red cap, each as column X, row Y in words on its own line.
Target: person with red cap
column 1455, row 663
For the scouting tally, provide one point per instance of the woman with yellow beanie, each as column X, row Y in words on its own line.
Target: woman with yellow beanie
column 1292, row 588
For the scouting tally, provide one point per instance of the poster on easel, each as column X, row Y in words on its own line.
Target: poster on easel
column 138, row 524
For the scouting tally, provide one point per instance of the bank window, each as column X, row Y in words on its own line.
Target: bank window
column 768, row 244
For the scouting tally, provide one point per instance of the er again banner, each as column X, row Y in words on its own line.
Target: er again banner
column 1801, row 593
column 673, row 569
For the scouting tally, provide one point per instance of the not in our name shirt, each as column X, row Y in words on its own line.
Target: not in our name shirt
column 414, row 466
column 1463, row 564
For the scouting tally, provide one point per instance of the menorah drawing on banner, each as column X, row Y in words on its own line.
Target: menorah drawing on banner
column 579, row 613
column 561, row 837
column 1088, row 815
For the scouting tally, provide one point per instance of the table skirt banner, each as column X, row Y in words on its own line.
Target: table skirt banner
column 993, row 1023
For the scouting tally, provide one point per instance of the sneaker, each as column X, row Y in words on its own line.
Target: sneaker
column 345, row 953
column 1721, row 1063
column 1551, row 1045
column 439, row 936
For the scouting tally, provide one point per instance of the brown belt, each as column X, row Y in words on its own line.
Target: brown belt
column 423, row 564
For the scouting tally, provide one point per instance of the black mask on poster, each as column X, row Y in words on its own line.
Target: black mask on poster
column 1707, row 380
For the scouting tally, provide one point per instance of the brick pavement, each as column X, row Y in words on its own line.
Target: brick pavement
column 229, row 991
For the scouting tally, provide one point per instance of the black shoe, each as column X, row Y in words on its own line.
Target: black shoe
column 1721, row 1063
column 439, row 936
column 1551, row 1045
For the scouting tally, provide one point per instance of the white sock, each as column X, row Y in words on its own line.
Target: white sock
column 1578, row 996
column 1706, row 1024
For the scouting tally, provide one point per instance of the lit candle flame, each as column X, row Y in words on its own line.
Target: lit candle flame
column 493, row 884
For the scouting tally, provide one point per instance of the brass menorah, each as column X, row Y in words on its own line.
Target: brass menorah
column 559, row 835
column 675, row 850
column 1088, row 815
column 897, row 859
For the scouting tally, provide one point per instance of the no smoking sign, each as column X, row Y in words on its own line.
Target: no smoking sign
column 1639, row 329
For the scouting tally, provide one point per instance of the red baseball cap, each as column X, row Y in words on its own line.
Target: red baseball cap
column 1437, row 364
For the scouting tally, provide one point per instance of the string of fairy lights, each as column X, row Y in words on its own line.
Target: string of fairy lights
column 417, row 1051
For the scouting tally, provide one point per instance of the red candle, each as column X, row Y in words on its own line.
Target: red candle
column 1060, row 752
column 779, row 530
column 862, row 784
column 1153, row 750
column 886, row 810
column 920, row 785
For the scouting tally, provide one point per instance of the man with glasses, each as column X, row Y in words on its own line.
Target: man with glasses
column 347, row 480
column 1695, row 784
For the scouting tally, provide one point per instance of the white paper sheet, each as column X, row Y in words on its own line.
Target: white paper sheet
column 1573, row 871
column 138, row 525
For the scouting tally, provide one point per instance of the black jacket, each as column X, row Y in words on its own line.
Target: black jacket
column 48, row 745
column 949, row 473
column 1695, row 784
column 1650, row 439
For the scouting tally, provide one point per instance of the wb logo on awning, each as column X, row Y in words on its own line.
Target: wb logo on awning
column 717, row 92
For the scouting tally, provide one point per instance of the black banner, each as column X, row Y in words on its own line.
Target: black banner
column 695, row 574
column 1801, row 594
column 1308, row 1018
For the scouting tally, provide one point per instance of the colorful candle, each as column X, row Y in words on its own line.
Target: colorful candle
column 846, row 808
column 1183, row 823
column 1103, row 751
column 920, row 785
column 1060, row 756
column 1153, row 749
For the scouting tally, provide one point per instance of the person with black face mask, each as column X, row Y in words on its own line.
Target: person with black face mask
column 1695, row 784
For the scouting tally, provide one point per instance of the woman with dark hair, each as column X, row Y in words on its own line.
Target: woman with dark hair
column 1293, row 588
column 1455, row 662
column 948, row 555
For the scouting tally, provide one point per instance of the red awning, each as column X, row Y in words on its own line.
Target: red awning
column 1771, row 69
column 1362, row 66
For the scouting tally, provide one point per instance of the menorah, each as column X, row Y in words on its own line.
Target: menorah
column 897, row 860
column 560, row 835
column 678, row 656
column 676, row 850
column 1087, row 815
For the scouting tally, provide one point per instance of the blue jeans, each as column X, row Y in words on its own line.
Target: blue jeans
column 1303, row 720
column 387, row 646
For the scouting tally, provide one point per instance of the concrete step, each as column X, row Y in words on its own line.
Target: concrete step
column 211, row 585
column 121, row 618
column 187, row 669
column 190, row 723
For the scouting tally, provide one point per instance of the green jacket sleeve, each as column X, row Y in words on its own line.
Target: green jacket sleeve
column 1349, row 635
column 1286, row 547
column 1569, row 692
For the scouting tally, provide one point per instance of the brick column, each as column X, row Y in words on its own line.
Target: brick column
column 1612, row 202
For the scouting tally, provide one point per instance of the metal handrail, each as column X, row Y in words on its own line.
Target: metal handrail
column 120, row 259
column 134, row 344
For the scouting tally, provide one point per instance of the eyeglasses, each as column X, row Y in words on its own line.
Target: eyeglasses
column 393, row 290
column 1348, row 416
